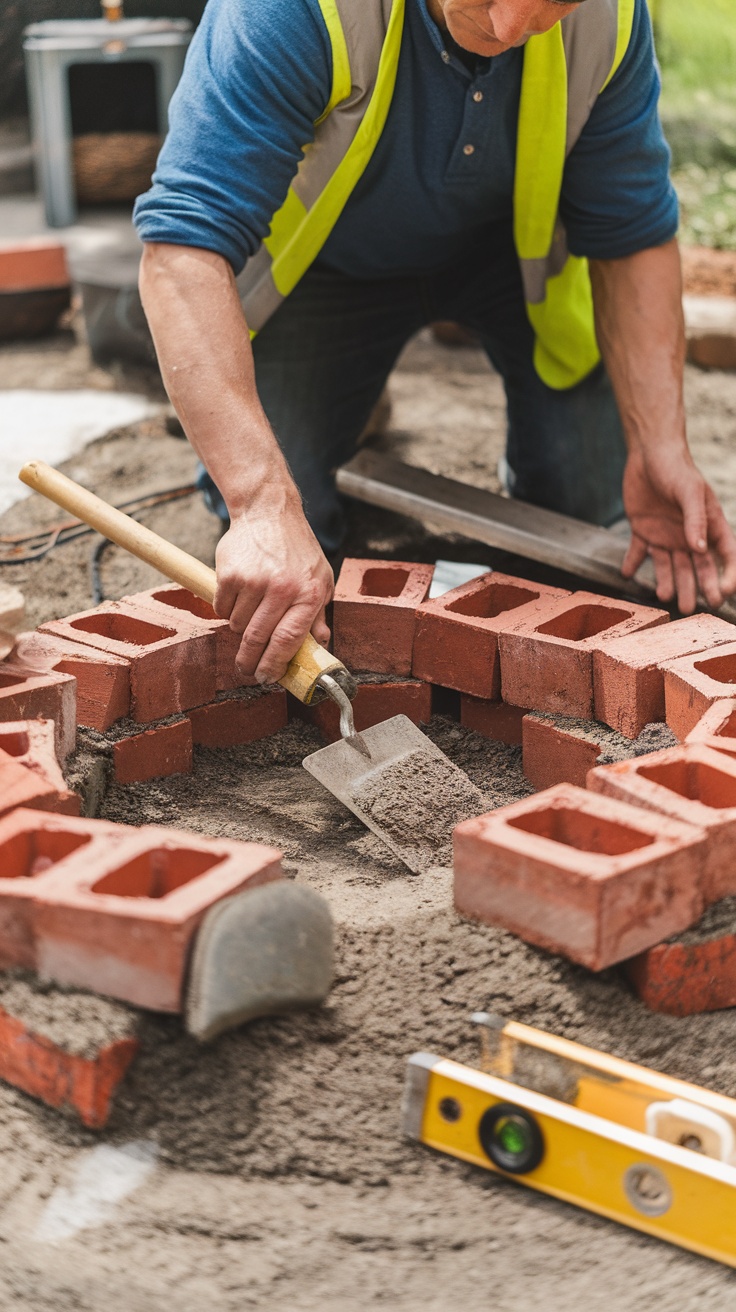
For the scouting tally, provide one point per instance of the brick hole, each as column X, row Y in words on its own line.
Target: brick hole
column 728, row 728
column 587, row 833
column 16, row 743
column 12, row 680
column 720, row 668
column 123, row 628
column 584, row 622
column 384, row 582
column 156, row 873
column 494, row 599
column 34, row 851
column 695, row 781
column 185, row 600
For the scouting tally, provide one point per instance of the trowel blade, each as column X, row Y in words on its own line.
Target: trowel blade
column 344, row 772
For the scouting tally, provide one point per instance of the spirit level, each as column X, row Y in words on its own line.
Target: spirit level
column 654, row 1153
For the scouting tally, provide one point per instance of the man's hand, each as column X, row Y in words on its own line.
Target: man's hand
column 675, row 516
column 676, row 519
column 273, row 584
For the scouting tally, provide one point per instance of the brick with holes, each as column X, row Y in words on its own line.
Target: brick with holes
column 172, row 666
column 691, row 783
column 374, row 613
column 716, row 729
column 457, row 634
column 34, row 844
column 32, row 744
column 123, row 926
column 103, row 680
column 170, row 601
column 26, row 694
column 628, row 679
column 693, row 683
column 547, row 664
column 579, row 874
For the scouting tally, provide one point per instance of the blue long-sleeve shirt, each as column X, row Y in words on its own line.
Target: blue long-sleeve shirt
column 258, row 75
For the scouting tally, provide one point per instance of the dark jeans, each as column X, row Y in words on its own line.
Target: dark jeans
column 323, row 360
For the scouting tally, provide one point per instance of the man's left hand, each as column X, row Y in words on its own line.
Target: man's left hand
column 677, row 519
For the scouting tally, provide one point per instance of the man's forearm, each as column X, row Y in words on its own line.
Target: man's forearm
column 641, row 332
column 206, row 361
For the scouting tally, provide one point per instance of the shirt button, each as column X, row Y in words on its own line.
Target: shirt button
column 445, row 57
column 468, row 150
column 477, row 97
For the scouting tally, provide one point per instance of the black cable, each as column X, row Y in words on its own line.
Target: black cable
column 59, row 534
column 95, row 562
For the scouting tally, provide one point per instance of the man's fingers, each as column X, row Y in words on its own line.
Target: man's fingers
column 695, row 514
column 723, row 542
column 706, row 572
column 685, row 582
column 258, row 634
column 321, row 630
column 662, row 562
column 636, row 553
column 286, row 639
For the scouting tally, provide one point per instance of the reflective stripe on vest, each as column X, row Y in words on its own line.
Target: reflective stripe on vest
column 564, row 71
column 366, row 43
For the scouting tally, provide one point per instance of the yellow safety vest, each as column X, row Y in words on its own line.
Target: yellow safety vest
column 564, row 71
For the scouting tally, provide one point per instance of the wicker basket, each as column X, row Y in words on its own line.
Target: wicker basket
column 114, row 166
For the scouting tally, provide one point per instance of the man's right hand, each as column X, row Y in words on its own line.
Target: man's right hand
column 273, row 584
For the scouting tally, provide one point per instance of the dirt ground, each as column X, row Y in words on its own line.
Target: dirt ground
column 283, row 1181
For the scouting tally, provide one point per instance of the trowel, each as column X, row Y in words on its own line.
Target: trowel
column 391, row 776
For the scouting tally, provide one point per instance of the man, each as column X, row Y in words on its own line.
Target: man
column 379, row 164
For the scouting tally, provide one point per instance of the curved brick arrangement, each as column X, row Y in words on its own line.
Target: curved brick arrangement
column 141, row 681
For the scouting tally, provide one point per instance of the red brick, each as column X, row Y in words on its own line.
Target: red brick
column 690, row 783
column 627, row 675
column 61, row 1079
column 32, row 845
column 373, row 703
column 374, row 613
column 172, row 667
column 154, row 754
column 547, row 664
column 716, row 729
column 27, row 695
column 683, row 980
column 693, row 683
column 554, row 755
column 457, row 635
column 31, row 743
column 33, row 263
column 235, row 721
column 103, row 680
column 122, row 925
column 20, row 786
column 579, row 874
column 494, row 719
column 173, row 602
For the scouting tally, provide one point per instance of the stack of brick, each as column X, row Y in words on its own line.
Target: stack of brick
column 113, row 909
column 600, row 875
column 160, row 659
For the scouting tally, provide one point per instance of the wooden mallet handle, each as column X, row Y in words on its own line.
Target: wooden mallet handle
column 310, row 661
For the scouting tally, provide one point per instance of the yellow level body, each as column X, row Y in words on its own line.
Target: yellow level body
column 595, row 1151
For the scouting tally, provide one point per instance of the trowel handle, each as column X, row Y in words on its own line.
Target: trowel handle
column 311, row 660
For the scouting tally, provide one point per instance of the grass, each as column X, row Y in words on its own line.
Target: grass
column 696, row 44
